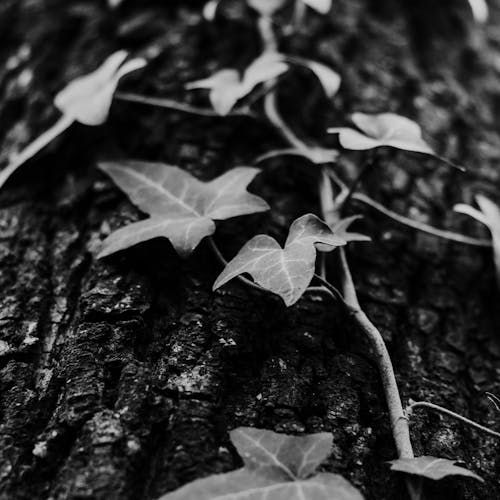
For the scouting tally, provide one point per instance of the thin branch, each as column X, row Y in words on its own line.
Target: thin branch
column 399, row 422
column 452, row 414
column 420, row 226
column 34, row 147
column 179, row 106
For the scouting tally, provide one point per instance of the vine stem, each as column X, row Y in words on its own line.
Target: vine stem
column 439, row 409
column 178, row 106
column 399, row 421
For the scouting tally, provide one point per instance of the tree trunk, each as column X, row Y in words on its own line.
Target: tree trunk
column 120, row 378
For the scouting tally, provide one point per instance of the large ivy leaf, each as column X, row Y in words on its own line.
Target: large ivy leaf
column 277, row 467
column 86, row 99
column 181, row 208
column 386, row 129
column 227, row 87
column 321, row 6
column 489, row 215
column 431, row 467
column 286, row 272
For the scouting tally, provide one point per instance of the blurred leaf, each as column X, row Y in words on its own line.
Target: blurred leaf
column 318, row 156
column 181, row 208
column 277, row 467
column 480, row 10
column 489, row 215
column 286, row 272
column 87, row 99
column 386, row 129
column 329, row 79
column 210, row 9
column 226, row 87
column 431, row 467
column 321, row 6
column 266, row 7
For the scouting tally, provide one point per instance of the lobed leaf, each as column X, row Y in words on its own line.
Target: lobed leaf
column 277, row 467
column 489, row 215
column 181, row 208
column 386, row 129
column 227, row 87
column 431, row 467
column 286, row 272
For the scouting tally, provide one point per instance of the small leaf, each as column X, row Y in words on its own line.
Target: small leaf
column 277, row 467
column 87, row 99
column 386, row 129
column 227, row 88
column 286, row 272
column 341, row 227
column 489, row 215
column 431, row 467
column 480, row 10
column 266, row 7
column 181, row 208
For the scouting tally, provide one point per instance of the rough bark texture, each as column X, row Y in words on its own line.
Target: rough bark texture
column 119, row 379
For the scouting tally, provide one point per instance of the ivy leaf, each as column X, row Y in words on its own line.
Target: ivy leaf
column 86, row 99
column 489, row 215
column 386, row 129
column 286, row 272
column 277, row 467
column 321, row 6
column 227, row 87
column 341, row 230
column 431, row 467
column 181, row 208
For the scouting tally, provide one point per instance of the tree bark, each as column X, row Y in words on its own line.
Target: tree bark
column 120, row 378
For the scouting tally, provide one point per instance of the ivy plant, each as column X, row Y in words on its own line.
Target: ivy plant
column 86, row 100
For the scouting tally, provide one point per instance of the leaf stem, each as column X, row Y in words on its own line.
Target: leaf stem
column 179, row 106
column 439, row 409
column 34, row 147
column 399, row 421
column 420, row 226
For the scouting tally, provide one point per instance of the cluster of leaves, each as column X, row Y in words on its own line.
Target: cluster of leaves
column 185, row 210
